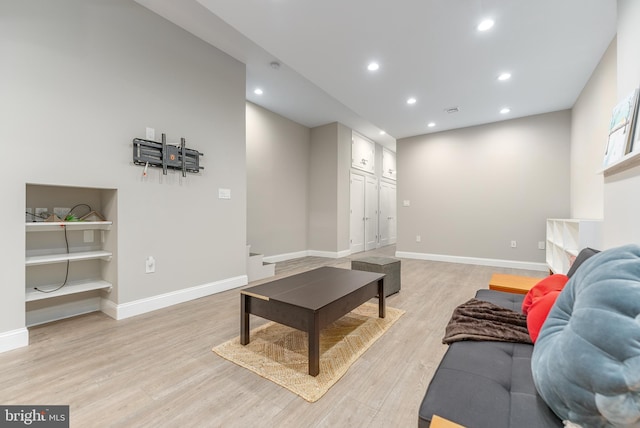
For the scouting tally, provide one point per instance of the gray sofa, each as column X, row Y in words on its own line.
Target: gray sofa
column 489, row 384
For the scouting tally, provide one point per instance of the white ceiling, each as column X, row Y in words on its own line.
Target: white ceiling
column 427, row 49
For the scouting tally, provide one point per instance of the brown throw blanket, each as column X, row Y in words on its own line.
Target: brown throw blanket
column 480, row 320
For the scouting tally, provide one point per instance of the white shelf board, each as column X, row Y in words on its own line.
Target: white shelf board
column 48, row 226
column 57, row 258
column 69, row 288
column 628, row 161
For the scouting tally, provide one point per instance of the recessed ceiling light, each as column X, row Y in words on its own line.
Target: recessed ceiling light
column 382, row 132
column 411, row 100
column 431, row 124
column 504, row 76
column 505, row 110
column 258, row 91
column 373, row 66
column 485, row 24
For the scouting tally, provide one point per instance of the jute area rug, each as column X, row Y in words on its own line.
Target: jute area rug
column 280, row 353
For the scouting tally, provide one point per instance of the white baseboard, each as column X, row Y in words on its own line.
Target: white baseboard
column 285, row 257
column 307, row 253
column 474, row 261
column 14, row 339
column 344, row 253
column 142, row 306
column 329, row 254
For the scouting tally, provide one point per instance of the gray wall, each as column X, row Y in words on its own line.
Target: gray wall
column 323, row 185
column 474, row 190
column 330, row 160
column 343, row 244
column 80, row 79
column 277, row 183
column 589, row 131
column 621, row 202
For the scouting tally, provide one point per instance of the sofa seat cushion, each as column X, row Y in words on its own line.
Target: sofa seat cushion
column 486, row 384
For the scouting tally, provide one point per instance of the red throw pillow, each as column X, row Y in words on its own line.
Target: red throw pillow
column 554, row 282
column 539, row 300
column 538, row 312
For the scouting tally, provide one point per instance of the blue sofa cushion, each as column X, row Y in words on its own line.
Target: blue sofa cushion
column 586, row 361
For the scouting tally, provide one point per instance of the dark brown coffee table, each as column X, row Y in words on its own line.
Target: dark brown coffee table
column 310, row 301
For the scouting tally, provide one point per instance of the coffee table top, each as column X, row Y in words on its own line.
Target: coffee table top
column 313, row 289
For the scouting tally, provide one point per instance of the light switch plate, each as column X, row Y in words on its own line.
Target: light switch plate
column 224, row 193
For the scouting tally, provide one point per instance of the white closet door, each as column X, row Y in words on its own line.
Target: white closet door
column 371, row 214
column 357, row 220
column 388, row 230
column 393, row 215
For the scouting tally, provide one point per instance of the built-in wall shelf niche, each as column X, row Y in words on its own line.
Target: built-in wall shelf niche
column 70, row 266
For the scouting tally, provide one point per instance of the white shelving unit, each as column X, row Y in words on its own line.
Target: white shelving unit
column 565, row 239
column 82, row 255
column 55, row 256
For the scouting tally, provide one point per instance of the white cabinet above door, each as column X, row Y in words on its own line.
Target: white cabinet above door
column 362, row 153
column 388, row 164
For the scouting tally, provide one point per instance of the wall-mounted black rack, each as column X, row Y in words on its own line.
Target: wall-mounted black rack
column 165, row 156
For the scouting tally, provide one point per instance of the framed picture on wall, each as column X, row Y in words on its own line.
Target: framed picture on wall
column 635, row 138
column 621, row 129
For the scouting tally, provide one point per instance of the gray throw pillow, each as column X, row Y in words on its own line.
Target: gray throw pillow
column 586, row 361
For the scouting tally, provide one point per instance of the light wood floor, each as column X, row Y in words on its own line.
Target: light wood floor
column 157, row 369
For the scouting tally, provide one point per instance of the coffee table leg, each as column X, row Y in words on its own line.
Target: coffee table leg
column 314, row 344
column 381, row 299
column 244, row 319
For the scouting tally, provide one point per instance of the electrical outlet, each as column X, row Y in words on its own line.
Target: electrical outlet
column 541, row 245
column 150, row 265
column 418, row 238
column 41, row 214
column 514, row 244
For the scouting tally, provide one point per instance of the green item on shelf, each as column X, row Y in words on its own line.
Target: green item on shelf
column 71, row 217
